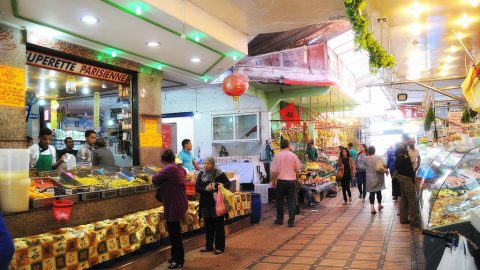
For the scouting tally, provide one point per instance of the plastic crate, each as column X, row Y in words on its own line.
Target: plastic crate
column 262, row 189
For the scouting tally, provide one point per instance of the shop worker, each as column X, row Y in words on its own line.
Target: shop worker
column 69, row 144
column 29, row 141
column 102, row 156
column 285, row 172
column 312, row 152
column 85, row 152
column 186, row 156
column 43, row 156
column 406, row 179
column 353, row 152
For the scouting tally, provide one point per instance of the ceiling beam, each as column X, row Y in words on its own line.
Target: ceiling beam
column 417, row 81
column 441, row 92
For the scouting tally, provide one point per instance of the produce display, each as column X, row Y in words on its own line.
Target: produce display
column 35, row 193
column 320, row 166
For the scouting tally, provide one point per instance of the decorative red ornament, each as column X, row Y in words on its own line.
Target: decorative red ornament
column 235, row 85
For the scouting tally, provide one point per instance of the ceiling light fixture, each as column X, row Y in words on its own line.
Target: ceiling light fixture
column 159, row 67
column 114, row 54
column 465, row 20
column 90, row 19
column 416, row 9
column 452, row 49
column 234, row 57
column 448, row 59
column 196, row 60
column 85, row 90
column 104, row 85
column 205, row 79
column 474, row 3
column 197, row 38
column 138, row 10
column 52, row 84
column 152, row 44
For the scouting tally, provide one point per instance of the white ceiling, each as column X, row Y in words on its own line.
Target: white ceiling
column 119, row 29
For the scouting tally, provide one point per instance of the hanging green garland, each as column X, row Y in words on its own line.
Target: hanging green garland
column 378, row 56
column 429, row 118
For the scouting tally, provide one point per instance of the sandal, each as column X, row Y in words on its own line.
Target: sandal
column 175, row 265
column 218, row 252
column 203, row 250
column 344, row 203
column 373, row 212
column 380, row 207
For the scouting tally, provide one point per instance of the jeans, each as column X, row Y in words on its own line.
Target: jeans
column 372, row 197
column 408, row 205
column 308, row 194
column 346, row 187
column 285, row 188
column 175, row 232
column 362, row 183
column 215, row 230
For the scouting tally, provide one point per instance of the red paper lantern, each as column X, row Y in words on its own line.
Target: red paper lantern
column 235, row 85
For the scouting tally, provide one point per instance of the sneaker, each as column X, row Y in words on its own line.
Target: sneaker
column 373, row 211
column 380, row 207
column 291, row 225
column 276, row 222
column 360, row 196
column 350, row 199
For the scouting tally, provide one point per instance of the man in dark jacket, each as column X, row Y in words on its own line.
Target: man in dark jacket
column 406, row 179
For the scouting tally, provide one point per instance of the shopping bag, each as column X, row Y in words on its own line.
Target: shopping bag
column 340, row 172
column 220, row 208
column 228, row 199
column 471, row 88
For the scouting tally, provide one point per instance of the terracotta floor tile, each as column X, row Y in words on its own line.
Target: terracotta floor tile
column 405, row 259
column 353, row 232
column 315, row 247
column 401, row 234
column 421, row 259
column 372, row 243
column 343, row 248
column 330, row 232
column 337, row 255
column 283, row 252
column 400, row 251
column 374, row 237
column 320, row 241
column 370, row 249
column 292, row 246
column 396, row 266
column 399, row 239
column 328, row 268
column 298, row 241
column 266, row 266
column 399, row 244
column 275, row 259
column 346, row 243
column 304, row 260
column 367, row 256
column 311, row 253
column 328, row 236
column 350, row 237
column 331, row 262
column 421, row 266
column 364, row 264
column 297, row 266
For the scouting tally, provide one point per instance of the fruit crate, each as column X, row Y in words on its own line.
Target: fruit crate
column 126, row 191
column 46, row 202
column 90, row 196
column 141, row 188
column 152, row 187
column 109, row 193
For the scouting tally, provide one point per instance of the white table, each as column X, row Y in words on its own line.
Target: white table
column 246, row 171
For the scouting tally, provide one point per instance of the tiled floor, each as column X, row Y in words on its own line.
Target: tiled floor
column 330, row 236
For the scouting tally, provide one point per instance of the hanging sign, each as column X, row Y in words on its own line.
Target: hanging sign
column 96, row 110
column 455, row 116
column 151, row 137
column 71, row 85
column 53, row 115
column 166, row 137
column 12, row 86
column 72, row 67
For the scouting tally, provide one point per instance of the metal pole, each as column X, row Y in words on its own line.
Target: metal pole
column 441, row 92
column 465, row 48
column 422, row 80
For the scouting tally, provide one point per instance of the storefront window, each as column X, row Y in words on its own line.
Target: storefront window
column 243, row 127
column 246, row 127
column 223, row 128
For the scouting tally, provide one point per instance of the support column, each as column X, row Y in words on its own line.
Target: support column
column 149, row 109
column 12, row 118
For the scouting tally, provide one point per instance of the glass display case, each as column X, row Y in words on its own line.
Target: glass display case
column 453, row 189
column 427, row 155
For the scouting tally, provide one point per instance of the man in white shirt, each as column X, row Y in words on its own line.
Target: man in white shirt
column 414, row 156
column 43, row 156
column 85, row 151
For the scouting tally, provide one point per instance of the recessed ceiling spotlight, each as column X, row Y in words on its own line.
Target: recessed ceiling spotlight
column 196, row 60
column 138, row 10
column 205, row 80
column 90, row 19
column 159, row 67
column 85, row 90
column 234, row 57
column 104, row 85
column 152, row 44
column 197, row 38
column 52, row 84
column 114, row 54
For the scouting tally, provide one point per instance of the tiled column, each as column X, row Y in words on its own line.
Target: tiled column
column 149, row 107
column 12, row 119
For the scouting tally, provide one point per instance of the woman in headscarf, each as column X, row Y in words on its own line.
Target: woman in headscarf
column 375, row 178
column 171, row 190
column 207, row 184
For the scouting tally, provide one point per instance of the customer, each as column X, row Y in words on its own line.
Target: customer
column 391, row 168
column 171, row 188
column 186, row 156
column 361, row 171
column 348, row 170
column 375, row 178
column 285, row 172
column 312, row 152
column 6, row 245
column 414, row 156
column 85, row 152
column 353, row 152
column 102, row 156
column 207, row 184
column 406, row 178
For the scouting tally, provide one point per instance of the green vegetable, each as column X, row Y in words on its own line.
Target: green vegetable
column 429, row 118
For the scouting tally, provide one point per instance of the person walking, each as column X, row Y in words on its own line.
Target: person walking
column 406, row 178
column 285, row 172
column 391, row 167
column 208, row 181
column 375, row 172
column 361, row 171
column 348, row 170
column 171, row 190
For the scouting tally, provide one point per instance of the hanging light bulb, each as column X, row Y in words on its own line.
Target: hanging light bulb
column 138, row 10
column 197, row 38
column 234, row 57
column 114, row 54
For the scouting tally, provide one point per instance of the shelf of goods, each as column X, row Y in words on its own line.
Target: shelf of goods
column 449, row 191
column 84, row 246
column 319, row 175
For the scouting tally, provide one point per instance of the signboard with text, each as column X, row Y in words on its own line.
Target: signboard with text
column 12, row 86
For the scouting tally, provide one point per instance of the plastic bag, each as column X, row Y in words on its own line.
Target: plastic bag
column 220, row 208
column 471, row 88
column 227, row 197
column 69, row 163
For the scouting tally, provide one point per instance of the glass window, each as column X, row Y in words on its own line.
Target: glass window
column 246, row 127
column 223, row 128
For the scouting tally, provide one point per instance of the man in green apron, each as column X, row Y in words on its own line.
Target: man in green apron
column 43, row 156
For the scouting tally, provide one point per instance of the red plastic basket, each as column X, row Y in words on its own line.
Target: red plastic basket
column 62, row 210
column 190, row 188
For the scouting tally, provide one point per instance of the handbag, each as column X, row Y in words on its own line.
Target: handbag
column 223, row 152
column 379, row 168
column 220, row 208
column 340, row 172
column 227, row 198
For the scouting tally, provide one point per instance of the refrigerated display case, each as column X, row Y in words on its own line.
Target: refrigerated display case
column 446, row 199
column 427, row 155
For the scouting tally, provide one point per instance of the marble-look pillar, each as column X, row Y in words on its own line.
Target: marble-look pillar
column 12, row 119
column 149, row 107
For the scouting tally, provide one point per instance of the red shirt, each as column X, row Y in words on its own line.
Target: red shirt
column 286, row 165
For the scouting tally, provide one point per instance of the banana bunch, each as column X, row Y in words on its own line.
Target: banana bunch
column 138, row 181
column 120, row 183
column 88, row 181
